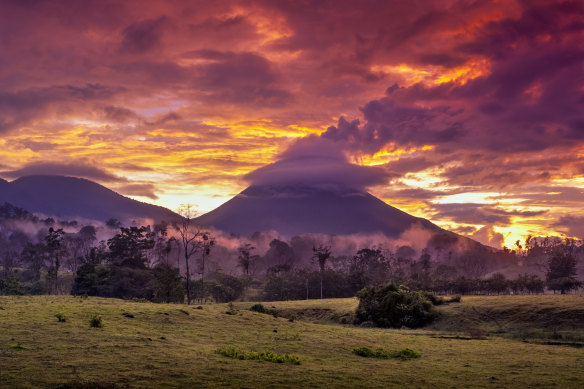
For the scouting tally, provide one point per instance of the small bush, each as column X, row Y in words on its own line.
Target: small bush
column 96, row 322
column 269, row 356
column 61, row 317
column 16, row 346
column 394, row 306
column 403, row 354
column 455, row 299
column 261, row 309
column 435, row 300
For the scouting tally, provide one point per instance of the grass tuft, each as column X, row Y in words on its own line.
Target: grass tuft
column 269, row 356
column 403, row 354
column 61, row 317
column 96, row 322
column 17, row 346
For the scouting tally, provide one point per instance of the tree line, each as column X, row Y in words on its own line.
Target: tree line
column 169, row 262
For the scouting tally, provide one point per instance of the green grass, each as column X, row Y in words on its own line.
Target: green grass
column 160, row 346
column 403, row 354
column 269, row 356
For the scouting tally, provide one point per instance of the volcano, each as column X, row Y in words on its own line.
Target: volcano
column 299, row 210
column 70, row 198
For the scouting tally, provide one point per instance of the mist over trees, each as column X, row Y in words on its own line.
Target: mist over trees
column 180, row 261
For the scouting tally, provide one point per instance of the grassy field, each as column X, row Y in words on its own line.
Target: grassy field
column 166, row 345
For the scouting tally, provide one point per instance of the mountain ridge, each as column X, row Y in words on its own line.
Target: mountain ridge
column 72, row 197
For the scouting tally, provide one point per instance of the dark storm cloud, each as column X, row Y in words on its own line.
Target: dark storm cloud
column 143, row 36
column 119, row 114
column 240, row 78
column 539, row 18
column 530, row 100
column 571, row 225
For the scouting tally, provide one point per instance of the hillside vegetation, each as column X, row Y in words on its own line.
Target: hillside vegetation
column 167, row 345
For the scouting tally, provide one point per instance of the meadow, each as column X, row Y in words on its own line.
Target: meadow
column 482, row 342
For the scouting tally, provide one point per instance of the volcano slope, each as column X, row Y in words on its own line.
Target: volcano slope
column 299, row 210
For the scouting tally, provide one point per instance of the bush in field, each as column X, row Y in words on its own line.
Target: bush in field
column 403, row 354
column 10, row 286
column 269, row 356
column 96, row 322
column 61, row 317
column 394, row 306
column 225, row 288
column 261, row 309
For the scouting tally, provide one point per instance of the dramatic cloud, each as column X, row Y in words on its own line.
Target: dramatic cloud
column 429, row 105
column 317, row 162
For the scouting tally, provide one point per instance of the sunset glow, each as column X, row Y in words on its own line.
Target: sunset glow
column 474, row 111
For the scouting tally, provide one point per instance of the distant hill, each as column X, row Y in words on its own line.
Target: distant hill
column 298, row 210
column 70, row 198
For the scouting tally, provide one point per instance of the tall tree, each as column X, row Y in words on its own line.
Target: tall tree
column 55, row 249
column 321, row 254
column 561, row 271
column 193, row 239
column 129, row 247
column 246, row 259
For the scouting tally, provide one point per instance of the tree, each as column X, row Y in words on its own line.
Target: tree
column 245, row 258
column 129, row 247
column 93, row 279
column 168, row 284
column 113, row 223
column 367, row 267
column 34, row 255
column 55, row 250
column 162, row 246
column 321, row 254
column 561, row 272
column 394, row 306
column 193, row 239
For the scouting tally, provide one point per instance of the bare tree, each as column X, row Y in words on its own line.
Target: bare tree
column 321, row 254
column 193, row 239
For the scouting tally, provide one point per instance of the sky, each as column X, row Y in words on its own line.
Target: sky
column 468, row 113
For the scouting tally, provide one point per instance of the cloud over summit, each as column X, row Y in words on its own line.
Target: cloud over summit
column 317, row 161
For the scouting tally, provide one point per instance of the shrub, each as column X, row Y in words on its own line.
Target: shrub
column 261, row 309
column 455, row 299
column 226, row 288
column 435, row 300
column 61, row 317
column 392, row 306
column 17, row 346
column 269, row 356
column 92, row 280
column 403, row 354
column 96, row 322
column 10, row 286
